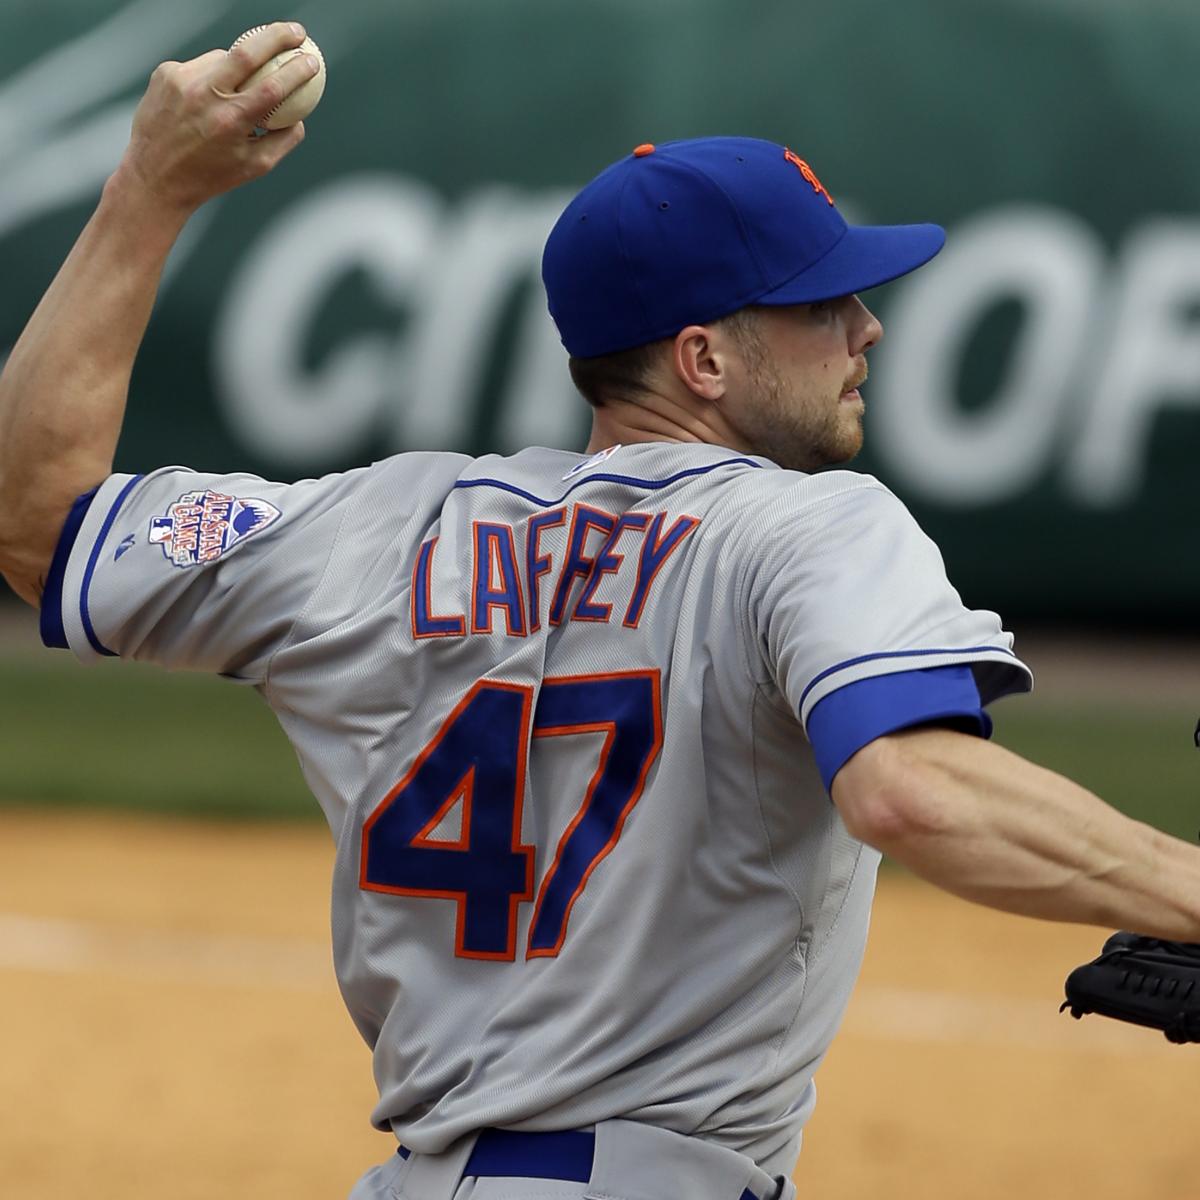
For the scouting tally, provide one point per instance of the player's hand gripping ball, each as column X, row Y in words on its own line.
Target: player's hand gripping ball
column 296, row 106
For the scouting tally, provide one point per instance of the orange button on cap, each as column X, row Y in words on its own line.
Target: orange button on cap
column 644, row 149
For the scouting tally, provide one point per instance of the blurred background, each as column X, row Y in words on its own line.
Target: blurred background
column 1036, row 402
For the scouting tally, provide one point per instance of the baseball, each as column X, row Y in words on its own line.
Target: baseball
column 304, row 99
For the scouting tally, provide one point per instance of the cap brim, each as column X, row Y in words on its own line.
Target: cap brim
column 864, row 257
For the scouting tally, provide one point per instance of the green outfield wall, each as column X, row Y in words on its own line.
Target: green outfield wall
column 1036, row 399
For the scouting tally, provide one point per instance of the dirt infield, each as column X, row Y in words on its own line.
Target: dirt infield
column 169, row 1026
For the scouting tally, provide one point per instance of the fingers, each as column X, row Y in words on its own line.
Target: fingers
column 207, row 62
column 244, row 58
column 263, row 155
column 261, row 99
column 269, row 151
column 191, row 131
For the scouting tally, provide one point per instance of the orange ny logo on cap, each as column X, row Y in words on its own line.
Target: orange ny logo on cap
column 808, row 174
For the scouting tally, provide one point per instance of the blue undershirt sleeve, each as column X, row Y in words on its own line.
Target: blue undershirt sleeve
column 843, row 722
column 51, row 624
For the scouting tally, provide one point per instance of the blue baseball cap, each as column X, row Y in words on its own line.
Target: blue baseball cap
column 689, row 231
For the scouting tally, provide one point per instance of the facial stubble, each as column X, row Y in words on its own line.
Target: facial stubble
column 800, row 429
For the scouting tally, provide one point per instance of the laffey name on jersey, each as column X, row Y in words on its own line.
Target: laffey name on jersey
column 200, row 526
column 571, row 563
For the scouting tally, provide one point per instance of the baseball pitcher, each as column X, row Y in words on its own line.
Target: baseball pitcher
column 610, row 743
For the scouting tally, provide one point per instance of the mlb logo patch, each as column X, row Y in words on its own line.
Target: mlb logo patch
column 594, row 461
column 200, row 526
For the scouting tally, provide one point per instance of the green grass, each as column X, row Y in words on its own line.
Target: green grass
column 1139, row 758
column 134, row 737
column 123, row 735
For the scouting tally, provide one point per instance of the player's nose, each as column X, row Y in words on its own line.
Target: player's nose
column 866, row 330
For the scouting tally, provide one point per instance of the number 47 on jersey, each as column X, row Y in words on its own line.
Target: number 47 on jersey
column 478, row 759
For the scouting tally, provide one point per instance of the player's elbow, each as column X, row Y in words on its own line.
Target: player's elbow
column 887, row 797
column 26, row 548
column 21, row 574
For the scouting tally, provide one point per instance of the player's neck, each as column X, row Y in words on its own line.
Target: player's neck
column 656, row 418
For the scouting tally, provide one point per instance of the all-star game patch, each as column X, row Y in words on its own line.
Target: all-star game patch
column 200, row 526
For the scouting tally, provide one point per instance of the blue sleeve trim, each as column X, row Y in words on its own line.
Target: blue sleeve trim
column 84, row 611
column 862, row 658
column 53, row 632
column 843, row 722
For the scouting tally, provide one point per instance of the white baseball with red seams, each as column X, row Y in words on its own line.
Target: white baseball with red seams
column 304, row 99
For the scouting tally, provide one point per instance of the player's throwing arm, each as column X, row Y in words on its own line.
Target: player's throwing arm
column 199, row 131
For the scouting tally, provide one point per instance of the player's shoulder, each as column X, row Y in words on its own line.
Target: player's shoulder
column 537, row 473
column 411, row 487
column 735, row 493
column 437, row 467
column 787, row 521
column 800, row 489
column 784, row 501
column 682, row 476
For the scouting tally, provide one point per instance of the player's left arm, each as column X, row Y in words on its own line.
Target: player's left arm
column 989, row 826
column 63, row 390
column 890, row 674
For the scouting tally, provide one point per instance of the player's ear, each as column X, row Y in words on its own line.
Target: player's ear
column 701, row 361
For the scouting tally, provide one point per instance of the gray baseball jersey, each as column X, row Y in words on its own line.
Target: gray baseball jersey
column 572, row 722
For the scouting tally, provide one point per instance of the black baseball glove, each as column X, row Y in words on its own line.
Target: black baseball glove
column 1142, row 980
